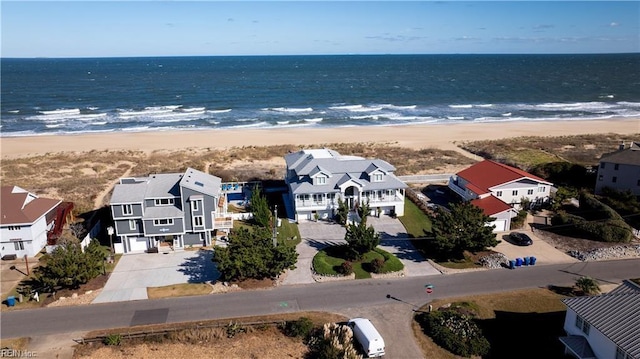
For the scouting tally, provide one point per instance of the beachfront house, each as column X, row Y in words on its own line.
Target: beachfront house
column 318, row 178
column 499, row 189
column 28, row 221
column 620, row 170
column 173, row 210
column 605, row 326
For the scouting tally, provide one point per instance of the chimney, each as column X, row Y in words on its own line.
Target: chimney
column 621, row 147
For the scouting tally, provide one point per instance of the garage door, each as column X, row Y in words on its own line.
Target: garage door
column 138, row 244
column 500, row 225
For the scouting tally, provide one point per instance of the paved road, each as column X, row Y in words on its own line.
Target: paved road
column 365, row 296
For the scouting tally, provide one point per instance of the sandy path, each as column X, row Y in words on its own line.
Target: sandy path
column 100, row 198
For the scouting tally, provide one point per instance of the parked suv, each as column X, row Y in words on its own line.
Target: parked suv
column 520, row 239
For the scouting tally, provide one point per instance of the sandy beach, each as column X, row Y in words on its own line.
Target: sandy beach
column 414, row 136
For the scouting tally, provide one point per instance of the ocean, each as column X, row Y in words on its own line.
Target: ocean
column 90, row 95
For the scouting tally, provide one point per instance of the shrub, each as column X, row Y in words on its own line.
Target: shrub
column 455, row 332
column 334, row 341
column 300, row 328
column 377, row 264
column 112, row 339
column 346, row 268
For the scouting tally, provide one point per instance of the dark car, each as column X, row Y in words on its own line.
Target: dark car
column 520, row 239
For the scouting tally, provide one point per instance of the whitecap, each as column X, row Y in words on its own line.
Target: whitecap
column 70, row 111
column 290, row 109
column 220, row 111
column 313, row 120
column 461, row 106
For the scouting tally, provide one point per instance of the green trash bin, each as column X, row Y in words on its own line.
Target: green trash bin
column 11, row 301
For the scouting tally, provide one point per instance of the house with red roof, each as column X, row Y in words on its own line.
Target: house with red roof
column 499, row 190
column 26, row 220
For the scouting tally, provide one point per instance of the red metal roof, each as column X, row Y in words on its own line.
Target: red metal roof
column 486, row 174
column 13, row 209
column 491, row 205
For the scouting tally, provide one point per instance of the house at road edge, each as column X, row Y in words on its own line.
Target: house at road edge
column 620, row 170
column 498, row 190
column 317, row 178
column 28, row 223
column 605, row 326
column 178, row 209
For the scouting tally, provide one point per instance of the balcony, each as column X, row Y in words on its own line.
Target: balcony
column 223, row 222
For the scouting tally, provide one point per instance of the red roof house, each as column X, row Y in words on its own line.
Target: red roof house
column 499, row 189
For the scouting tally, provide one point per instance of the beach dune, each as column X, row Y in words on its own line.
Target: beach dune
column 412, row 136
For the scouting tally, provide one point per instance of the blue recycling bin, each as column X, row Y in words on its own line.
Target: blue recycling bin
column 11, row 301
column 518, row 262
column 525, row 261
column 512, row 264
column 532, row 260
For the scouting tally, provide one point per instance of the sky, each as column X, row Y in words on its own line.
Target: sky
column 210, row 28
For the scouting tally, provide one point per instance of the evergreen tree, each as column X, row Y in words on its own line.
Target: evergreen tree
column 462, row 228
column 343, row 212
column 360, row 238
column 260, row 208
column 251, row 254
column 67, row 266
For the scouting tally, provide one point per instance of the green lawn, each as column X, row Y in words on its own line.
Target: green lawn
column 288, row 233
column 416, row 222
column 329, row 260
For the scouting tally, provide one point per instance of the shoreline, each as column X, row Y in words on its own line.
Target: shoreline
column 441, row 136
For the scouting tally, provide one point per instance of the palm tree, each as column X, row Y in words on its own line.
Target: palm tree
column 588, row 285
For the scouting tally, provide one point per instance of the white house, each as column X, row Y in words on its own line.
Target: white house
column 605, row 326
column 499, row 189
column 317, row 178
column 620, row 170
column 25, row 221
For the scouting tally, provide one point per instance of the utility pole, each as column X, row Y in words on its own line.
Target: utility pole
column 274, row 236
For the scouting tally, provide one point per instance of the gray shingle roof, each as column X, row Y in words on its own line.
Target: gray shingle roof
column 342, row 169
column 163, row 212
column 615, row 314
column 201, row 182
column 164, row 185
column 628, row 156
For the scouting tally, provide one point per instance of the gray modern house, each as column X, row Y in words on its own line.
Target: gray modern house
column 175, row 209
column 620, row 170
column 317, row 178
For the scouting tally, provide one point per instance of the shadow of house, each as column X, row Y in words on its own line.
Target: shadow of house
column 200, row 268
column 403, row 247
column 524, row 335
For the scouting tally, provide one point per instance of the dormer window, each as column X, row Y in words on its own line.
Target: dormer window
column 164, row 201
column 320, row 180
column 378, row 177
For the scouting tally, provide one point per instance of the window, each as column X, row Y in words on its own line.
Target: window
column 321, row 180
column 638, row 183
column 529, row 192
column 514, row 192
column 127, row 210
column 602, row 165
column 616, row 166
column 19, row 245
column 317, row 198
column 195, row 205
column 499, row 193
column 600, row 178
column 164, row 201
column 304, row 197
column 614, row 179
column 377, row 177
column 542, row 189
column 582, row 325
column 163, row 222
column 14, row 228
column 132, row 224
column 197, row 221
column 331, row 197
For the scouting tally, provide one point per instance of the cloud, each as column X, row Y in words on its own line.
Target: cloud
column 466, row 38
column 230, row 19
column 395, row 38
column 613, row 24
column 543, row 26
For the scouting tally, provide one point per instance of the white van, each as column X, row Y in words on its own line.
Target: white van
column 366, row 334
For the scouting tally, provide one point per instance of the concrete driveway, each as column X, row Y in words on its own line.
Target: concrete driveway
column 317, row 235
column 135, row 272
column 543, row 251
